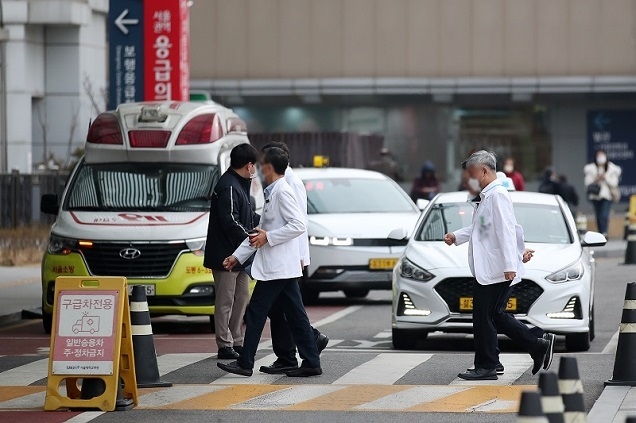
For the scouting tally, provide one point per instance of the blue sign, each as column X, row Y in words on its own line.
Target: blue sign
column 615, row 132
column 125, row 36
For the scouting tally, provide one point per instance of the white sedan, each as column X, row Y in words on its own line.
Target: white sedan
column 432, row 283
column 359, row 223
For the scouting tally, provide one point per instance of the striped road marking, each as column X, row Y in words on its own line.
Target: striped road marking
column 26, row 374
column 515, row 366
column 434, row 398
column 383, row 369
column 170, row 362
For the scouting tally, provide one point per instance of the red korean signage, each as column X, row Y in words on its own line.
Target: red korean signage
column 166, row 50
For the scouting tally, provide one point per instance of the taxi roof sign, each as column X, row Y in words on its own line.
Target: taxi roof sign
column 321, row 161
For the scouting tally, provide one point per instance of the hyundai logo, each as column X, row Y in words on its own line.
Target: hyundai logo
column 129, row 253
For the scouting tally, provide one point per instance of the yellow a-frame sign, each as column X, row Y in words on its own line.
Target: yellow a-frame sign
column 91, row 339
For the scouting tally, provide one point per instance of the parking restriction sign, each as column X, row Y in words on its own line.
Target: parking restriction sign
column 91, row 339
column 85, row 333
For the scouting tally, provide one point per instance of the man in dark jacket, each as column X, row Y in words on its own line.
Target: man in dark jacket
column 231, row 218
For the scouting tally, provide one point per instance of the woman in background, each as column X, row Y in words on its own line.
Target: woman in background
column 601, row 184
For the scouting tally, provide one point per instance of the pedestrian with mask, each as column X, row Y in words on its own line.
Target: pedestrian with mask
column 282, row 340
column 601, row 184
column 231, row 219
column 496, row 255
column 276, row 267
column 516, row 176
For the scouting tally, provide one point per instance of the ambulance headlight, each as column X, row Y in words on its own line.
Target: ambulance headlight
column 196, row 246
column 61, row 245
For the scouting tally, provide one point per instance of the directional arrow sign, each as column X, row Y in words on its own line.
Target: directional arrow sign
column 121, row 21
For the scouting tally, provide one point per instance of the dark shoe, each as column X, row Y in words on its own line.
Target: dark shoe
column 547, row 361
column 321, row 342
column 539, row 354
column 478, row 374
column 277, row 368
column 305, row 372
column 499, row 368
column 227, row 353
column 233, row 367
column 238, row 349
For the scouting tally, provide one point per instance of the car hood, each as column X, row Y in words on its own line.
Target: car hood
column 437, row 255
column 138, row 226
column 360, row 225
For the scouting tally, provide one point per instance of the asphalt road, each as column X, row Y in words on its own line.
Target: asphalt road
column 364, row 379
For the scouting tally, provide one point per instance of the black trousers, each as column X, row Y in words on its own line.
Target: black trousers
column 282, row 340
column 490, row 317
column 265, row 294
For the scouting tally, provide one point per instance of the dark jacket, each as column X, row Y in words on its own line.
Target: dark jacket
column 231, row 218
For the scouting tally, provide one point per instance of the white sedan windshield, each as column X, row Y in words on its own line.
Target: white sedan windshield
column 541, row 223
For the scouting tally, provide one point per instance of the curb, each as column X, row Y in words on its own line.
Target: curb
column 27, row 314
column 608, row 404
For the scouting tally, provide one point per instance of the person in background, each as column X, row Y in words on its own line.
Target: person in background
column 601, row 183
column 568, row 193
column 427, row 185
column 549, row 182
column 387, row 165
column 231, row 218
column 514, row 174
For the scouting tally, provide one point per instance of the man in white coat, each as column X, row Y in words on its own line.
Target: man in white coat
column 282, row 341
column 276, row 267
column 496, row 254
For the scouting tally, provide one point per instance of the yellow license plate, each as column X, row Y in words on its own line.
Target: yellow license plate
column 382, row 264
column 466, row 304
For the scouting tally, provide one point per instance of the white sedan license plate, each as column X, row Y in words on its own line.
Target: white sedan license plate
column 150, row 289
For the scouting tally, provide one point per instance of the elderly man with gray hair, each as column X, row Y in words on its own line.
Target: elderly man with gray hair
column 496, row 254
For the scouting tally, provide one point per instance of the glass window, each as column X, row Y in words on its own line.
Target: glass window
column 542, row 224
column 352, row 195
column 141, row 187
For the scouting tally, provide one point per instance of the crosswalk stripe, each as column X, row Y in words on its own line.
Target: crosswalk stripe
column 383, row 369
column 170, row 362
column 225, row 397
column 30, row 401
column 383, row 334
column 515, row 365
column 175, row 394
column 85, row 417
column 476, row 396
column 257, row 377
column 411, row 397
column 287, row 397
column 25, row 374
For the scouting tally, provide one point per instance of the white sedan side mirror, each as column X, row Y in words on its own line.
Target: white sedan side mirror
column 593, row 239
column 398, row 234
column 421, row 203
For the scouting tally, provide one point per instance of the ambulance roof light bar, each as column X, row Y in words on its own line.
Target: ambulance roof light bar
column 105, row 130
column 203, row 129
column 152, row 114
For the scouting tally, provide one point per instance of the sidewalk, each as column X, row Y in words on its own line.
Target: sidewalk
column 615, row 404
column 20, row 289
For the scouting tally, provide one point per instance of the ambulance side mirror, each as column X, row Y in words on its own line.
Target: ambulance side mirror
column 49, row 204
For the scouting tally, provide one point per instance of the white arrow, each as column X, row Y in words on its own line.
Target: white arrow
column 121, row 22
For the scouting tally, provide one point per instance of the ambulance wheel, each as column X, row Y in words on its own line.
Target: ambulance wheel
column 47, row 322
column 212, row 329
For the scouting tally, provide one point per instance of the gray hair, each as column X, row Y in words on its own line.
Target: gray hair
column 481, row 158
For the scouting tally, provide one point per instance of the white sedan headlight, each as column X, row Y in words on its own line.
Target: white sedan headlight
column 325, row 241
column 573, row 272
column 409, row 270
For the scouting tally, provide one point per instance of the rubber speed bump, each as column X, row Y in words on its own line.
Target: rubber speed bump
column 530, row 409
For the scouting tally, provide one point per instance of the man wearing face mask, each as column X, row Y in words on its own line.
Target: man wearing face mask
column 231, row 218
column 601, row 183
column 496, row 254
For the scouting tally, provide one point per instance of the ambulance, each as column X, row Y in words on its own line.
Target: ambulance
column 137, row 203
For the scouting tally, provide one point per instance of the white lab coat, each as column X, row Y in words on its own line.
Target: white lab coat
column 495, row 239
column 300, row 194
column 283, row 221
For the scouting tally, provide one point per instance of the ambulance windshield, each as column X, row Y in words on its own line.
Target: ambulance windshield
column 170, row 187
